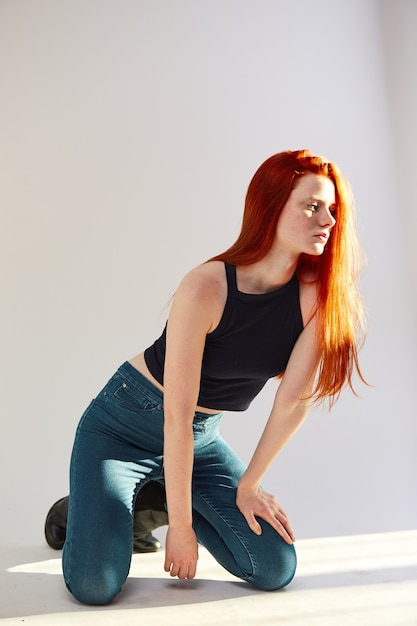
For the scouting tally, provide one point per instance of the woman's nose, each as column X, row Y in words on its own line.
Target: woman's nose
column 328, row 218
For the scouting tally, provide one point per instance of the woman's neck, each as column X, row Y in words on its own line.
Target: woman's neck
column 265, row 275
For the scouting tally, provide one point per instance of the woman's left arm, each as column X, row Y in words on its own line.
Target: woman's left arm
column 289, row 410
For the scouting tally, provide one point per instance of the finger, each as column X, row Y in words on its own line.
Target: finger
column 178, row 571
column 181, row 571
column 282, row 530
column 253, row 524
column 286, row 524
column 282, row 518
column 173, row 571
column 289, row 530
column 192, row 569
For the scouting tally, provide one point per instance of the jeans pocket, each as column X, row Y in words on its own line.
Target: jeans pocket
column 134, row 398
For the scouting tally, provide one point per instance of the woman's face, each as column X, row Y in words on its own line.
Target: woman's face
column 306, row 220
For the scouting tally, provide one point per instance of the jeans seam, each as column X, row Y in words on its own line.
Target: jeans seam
column 241, row 538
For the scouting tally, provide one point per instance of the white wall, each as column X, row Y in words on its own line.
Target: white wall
column 129, row 133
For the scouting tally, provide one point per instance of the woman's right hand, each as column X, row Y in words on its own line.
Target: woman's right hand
column 181, row 552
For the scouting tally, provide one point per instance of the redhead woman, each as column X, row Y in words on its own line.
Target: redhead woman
column 281, row 302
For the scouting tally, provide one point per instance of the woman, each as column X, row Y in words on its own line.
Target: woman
column 281, row 302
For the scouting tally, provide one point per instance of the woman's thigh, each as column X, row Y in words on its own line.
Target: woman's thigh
column 117, row 449
column 265, row 561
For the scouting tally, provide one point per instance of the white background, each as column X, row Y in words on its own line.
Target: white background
column 129, row 131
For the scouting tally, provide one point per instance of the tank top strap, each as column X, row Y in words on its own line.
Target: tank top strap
column 231, row 279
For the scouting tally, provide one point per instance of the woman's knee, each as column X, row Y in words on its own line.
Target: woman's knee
column 275, row 578
column 99, row 589
column 94, row 579
column 275, row 563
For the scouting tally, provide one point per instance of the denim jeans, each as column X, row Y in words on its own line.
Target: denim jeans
column 118, row 448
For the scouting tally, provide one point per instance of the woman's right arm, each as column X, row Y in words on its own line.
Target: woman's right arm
column 191, row 318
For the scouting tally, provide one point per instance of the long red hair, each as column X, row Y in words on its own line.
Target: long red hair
column 339, row 307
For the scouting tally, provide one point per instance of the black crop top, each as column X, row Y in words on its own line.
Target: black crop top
column 251, row 344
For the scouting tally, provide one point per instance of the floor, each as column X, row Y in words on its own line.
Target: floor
column 341, row 581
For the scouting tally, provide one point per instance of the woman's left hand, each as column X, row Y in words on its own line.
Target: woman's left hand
column 255, row 502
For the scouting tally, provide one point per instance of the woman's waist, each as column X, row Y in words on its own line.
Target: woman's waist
column 138, row 363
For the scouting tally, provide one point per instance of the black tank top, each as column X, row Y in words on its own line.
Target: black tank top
column 251, row 344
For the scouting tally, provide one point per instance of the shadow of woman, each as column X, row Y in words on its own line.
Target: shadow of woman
column 32, row 584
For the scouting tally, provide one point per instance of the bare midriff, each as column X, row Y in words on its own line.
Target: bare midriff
column 139, row 363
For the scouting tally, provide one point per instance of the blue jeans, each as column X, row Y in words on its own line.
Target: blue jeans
column 118, row 449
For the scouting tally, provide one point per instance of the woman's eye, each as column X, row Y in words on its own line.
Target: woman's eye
column 313, row 206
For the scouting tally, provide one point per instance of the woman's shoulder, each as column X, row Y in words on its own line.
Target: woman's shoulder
column 203, row 291
column 207, row 280
column 208, row 275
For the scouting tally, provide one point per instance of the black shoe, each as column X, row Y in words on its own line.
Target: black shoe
column 56, row 524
